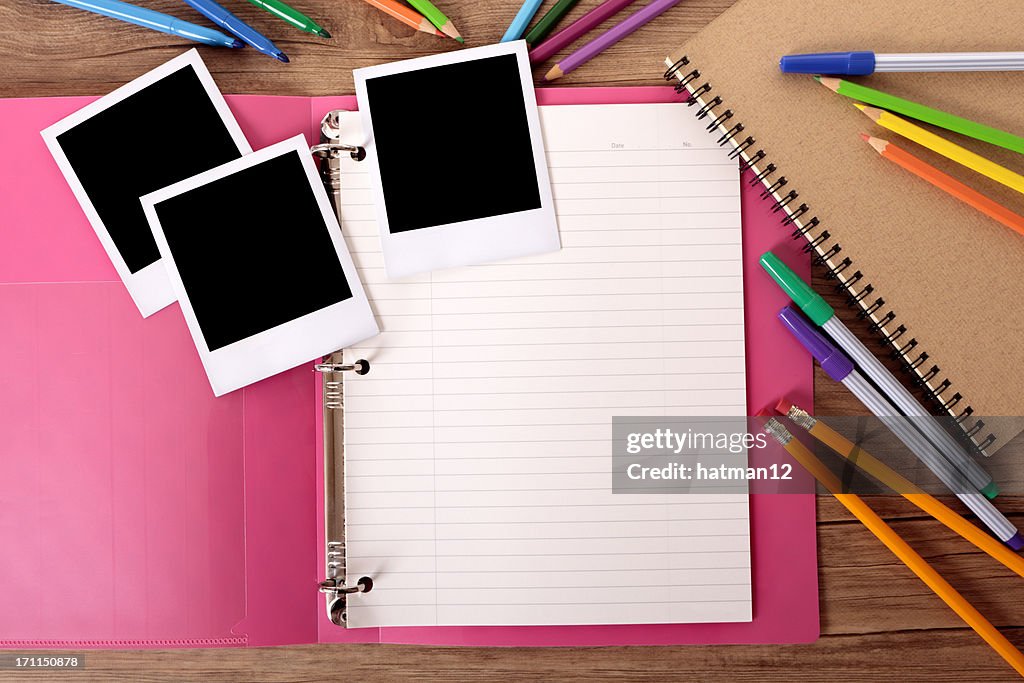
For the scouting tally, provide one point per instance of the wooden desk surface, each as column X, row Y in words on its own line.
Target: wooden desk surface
column 878, row 622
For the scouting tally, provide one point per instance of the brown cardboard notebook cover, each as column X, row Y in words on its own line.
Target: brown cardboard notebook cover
column 947, row 273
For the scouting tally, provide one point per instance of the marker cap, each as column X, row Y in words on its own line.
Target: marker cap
column 833, row 361
column 837, row 63
column 816, row 308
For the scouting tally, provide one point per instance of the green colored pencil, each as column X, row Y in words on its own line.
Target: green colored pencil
column 437, row 18
column 550, row 19
column 971, row 129
column 292, row 16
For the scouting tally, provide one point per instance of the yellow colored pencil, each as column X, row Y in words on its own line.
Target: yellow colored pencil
column 900, row 548
column 901, row 485
column 942, row 146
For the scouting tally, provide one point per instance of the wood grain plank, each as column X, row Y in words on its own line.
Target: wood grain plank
column 878, row 622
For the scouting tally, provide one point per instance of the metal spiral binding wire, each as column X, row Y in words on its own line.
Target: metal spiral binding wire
column 850, row 281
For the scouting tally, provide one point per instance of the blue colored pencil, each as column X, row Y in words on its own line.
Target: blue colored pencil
column 523, row 17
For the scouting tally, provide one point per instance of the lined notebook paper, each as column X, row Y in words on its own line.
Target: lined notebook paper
column 478, row 448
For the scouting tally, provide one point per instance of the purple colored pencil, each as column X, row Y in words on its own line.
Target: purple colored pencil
column 577, row 29
column 609, row 38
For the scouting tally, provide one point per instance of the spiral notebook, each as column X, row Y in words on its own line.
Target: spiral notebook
column 939, row 280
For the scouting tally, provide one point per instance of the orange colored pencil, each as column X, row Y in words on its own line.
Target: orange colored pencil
column 945, row 182
column 406, row 15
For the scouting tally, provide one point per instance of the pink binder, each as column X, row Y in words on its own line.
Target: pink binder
column 138, row 511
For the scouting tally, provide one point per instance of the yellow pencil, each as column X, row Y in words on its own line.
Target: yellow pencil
column 942, row 146
column 900, row 548
column 898, row 483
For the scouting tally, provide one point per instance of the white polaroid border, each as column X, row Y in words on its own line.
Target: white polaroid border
column 289, row 344
column 534, row 231
column 149, row 288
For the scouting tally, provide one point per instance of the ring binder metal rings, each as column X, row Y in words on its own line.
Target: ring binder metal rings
column 821, row 243
column 331, row 149
column 329, row 153
column 337, row 608
column 360, row 367
column 332, row 387
column 330, row 135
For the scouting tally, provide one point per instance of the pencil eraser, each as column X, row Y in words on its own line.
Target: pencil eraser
column 990, row 490
column 783, row 406
column 1016, row 541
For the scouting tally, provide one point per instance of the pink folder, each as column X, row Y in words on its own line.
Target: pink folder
column 137, row 510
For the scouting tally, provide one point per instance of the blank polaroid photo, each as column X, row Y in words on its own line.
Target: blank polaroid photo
column 456, row 159
column 257, row 261
column 166, row 125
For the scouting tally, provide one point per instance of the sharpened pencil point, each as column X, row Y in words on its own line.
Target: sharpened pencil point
column 449, row 30
column 829, row 82
column 461, row 40
column 878, row 144
column 554, row 74
column 870, row 112
column 323, row 33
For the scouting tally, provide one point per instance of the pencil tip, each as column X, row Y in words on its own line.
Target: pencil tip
column 449, row 30
column 461, row 40
column 830, row 82
column 554, row 73
column 878, row 144
column 323, row 33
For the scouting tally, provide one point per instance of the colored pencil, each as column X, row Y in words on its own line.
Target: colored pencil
column 942, row 146
column 522, row 19
column 920, row 112
column 437, row 18
column 609, row 38
column 577, row 29
column 548, row 22
column 900, row 548
column 947, row 183
column 406, row 15
column 292, row 16
column 898, row 483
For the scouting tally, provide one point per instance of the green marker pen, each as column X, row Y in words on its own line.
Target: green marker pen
column 292, row 16
column 821, row 314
